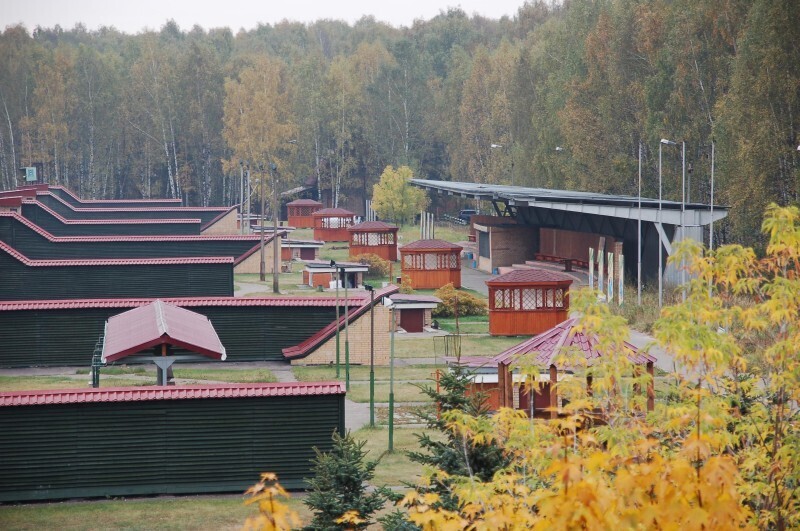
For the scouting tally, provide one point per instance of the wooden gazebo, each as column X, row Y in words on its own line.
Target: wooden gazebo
column 301, row 213
column 546, row 349
column 331, row 224
column 431, row 264
column 527, row 302
column 374, row 237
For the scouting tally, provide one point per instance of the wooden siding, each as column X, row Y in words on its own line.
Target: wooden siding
column 433, row 279
column 331, row 235
column 21, row 282
column 162, row 447
column 37, row 247
column 387, row 252
column 67, row 337
column 301, row 222
column 524, row 323
column 54, row 226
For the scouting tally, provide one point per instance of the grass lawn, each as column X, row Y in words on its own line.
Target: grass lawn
column 396, row 468
column 403, row 392
column 428, row 347
column 226, row 375
column 361, row 373
column 162, row 513
column 474, row 324
column 29, row 383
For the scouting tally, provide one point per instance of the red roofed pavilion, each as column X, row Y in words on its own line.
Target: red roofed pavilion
column 526, row 302
column 374, row 237
column 301, row 213
column 331, row 224
column 431, row 264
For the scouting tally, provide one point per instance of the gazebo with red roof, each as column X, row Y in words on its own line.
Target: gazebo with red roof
column 374, row 237
column 546, row 349
column 331, row 224
column 301, row 213
column 431, row 264
column 527, row 302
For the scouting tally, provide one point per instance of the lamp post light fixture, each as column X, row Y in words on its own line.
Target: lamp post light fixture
column 663, row 142
column 338, row 278
column 371, row 290
column 501, row 146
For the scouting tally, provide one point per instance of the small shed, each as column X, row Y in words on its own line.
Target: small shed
column 300, row 213
column 305, row 250
column 431, row 264
column 331, row 224
column 374, row 237
column 526, row 302
column 546, row 348
column 413, row 312
column 322, row 273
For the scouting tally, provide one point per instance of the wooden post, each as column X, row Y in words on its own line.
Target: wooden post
column 553, row 392
column 501, row 384
column 589, row 379
column 651, row 387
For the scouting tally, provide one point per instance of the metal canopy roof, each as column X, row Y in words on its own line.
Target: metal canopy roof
column 159, row 323
column 618, row 206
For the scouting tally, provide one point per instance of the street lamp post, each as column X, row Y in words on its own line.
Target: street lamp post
column 346, row 335
column 388, row 302
column 663, row 142
column 683, row 211
column 510, row 154
column 371, row 290
column 241, row 195
column 276, row 241
column 338, row 279
column 262, row 266
column 639, row 240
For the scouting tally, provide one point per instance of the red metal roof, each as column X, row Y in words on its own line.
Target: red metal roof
column 549, row 344
column 531, row 276
column 154, row 393
column 134, row 238
column 402, row 297
column 69, row 205
column 12, row 202
column 332, row 212
column 160, row 323
column 304, row 202
column 70, row 192
column 431, row 245
column 373, row 226
column 309, row 345
column 66, row 221
column 184, row 302
column 114, row 261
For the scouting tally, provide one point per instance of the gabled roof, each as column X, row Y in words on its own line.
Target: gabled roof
column 560, row 339
column 160, row 323
column 133, row 209
column 332, row 212
column 530, row 276
column 66, row 221
column 373, row 226
column 4, row 247
column 324, row 266
column 133, row 238
column 431, row 245
column 78, row 199
column 312, row 343
column 183, row 392
column 304, row 202
column 356, row 299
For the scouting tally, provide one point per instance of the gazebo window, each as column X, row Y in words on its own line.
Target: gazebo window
column 528, row 298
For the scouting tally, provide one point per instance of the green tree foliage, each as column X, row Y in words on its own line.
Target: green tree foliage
column 145, row 115
column 395, row 199
column 457, row 302
column 338, row 492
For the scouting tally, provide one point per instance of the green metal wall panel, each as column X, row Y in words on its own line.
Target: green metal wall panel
column 54, row 226
column 37, row 247
column 172, row 213
column 21, row 282
column 67, row 337
column 162, row 447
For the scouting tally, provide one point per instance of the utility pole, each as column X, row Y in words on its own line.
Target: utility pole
column 276, row 241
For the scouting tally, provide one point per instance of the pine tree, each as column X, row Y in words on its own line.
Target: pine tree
column 339, row 487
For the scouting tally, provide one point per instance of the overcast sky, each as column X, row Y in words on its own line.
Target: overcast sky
column 131, row 16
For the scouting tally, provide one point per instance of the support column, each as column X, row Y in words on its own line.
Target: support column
column 651, row 387
column 553, row 392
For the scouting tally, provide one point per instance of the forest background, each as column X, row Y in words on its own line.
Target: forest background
column 160, row 114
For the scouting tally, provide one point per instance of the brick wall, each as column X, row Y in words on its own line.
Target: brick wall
column 229, row 224
column 359, row 342
column 252, row 264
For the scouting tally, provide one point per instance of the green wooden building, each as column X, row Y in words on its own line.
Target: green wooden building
column 163, row 440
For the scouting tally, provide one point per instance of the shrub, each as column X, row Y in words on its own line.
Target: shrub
column 405, row 285
column 468, row 304
column 378, row 267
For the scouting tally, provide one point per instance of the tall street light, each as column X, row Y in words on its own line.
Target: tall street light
column 388, row 302
column 346, row 334
column 241, row 195
column 371, row 290
column 276, row 241
column 510, row 154
column 663, row 142
column 262, row 266
column 338, row 279
column 639, row 240
column 683, row 211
